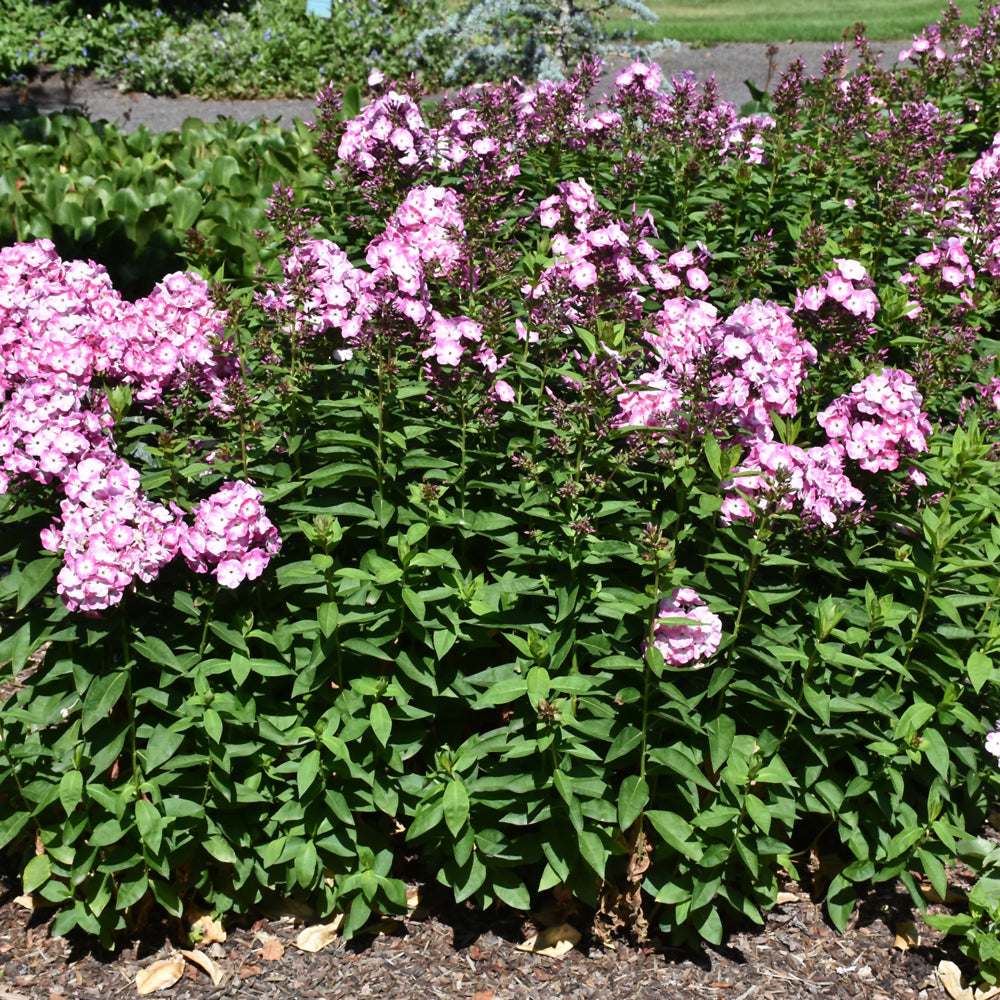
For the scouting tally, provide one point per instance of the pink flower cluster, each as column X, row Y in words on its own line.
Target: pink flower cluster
column 879, row 420
column 951, row 260
column 109, row 535
column 422, row 239
column 64, row 334
column 231, row 536
column 65, row 323
column 849, row 287
column 783, row 477
column 748, row 367
column 993, row 742
column 327, row 293
column 46, row 430
column 390, row 128
column 600, row 258
column 691, row 641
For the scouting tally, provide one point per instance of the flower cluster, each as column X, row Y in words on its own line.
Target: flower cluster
column 110, row 534
column 743, row 369
column 848, row 286
column 390, row 128
column 686, row 632
column 781, row 477
column 65, row 335
column 231, row 536
column 993, row 742
column 879, row 420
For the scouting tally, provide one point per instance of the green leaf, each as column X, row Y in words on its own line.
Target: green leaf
column 307, row 772
column 593, row 851
column 223, row 169
column 509, row 889
column 71, row 790
column 150, row 824
column 633, row 797
column 102, row 695
column 902, row 842
column 935, row 749
column 306, row 865
column 220, row 850
column 721, row 733
column 675, row 831
column 759, row 813
column 443, row 641
column 34, row 578
column 456, row 806
column 841, row 898
column 185, row 206
column 381, row 722
column 36, row 872
column 537, row 683
column 624, row 743
column 979, row 668
column 327, row 616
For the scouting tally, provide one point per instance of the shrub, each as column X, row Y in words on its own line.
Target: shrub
column 264, row 48
column 495, row 39
column 635, row 478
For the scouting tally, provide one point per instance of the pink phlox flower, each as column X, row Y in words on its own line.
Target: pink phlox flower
column 504, row 391
column 692, row 641
column 644, row 76
column 879, row 420
column 810, row 482
column 110, row 534
column 390, row 128
column 993, row 742
column 231, row 535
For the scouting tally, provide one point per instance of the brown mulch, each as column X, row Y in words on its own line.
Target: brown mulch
column 442, row 951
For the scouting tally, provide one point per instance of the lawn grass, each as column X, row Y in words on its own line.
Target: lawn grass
column 767, row 21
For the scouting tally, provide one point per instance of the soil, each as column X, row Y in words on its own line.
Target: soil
column 442, row 950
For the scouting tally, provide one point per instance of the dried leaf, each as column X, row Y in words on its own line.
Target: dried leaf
column 159, row 976
column 206, row 965
column 986, row 992
column 907, row 936
column 786, row 897
column 272, row 949
column 951, row 980
column 413, row 897
column 317, row 937
column 553, row 941
column 205, row 929
column 952, row 895
column 26, row 901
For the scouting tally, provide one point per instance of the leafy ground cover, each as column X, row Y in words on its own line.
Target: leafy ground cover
column 138, row 201
column 249, row 49
column 609, row 507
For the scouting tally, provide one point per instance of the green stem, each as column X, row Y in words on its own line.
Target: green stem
column 130, row 703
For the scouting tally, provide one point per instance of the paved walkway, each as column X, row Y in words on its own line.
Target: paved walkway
column 731, row 63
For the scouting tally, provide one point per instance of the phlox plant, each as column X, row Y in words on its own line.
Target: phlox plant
column 603, row 497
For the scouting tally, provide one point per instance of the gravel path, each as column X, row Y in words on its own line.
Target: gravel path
column 732, row 63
